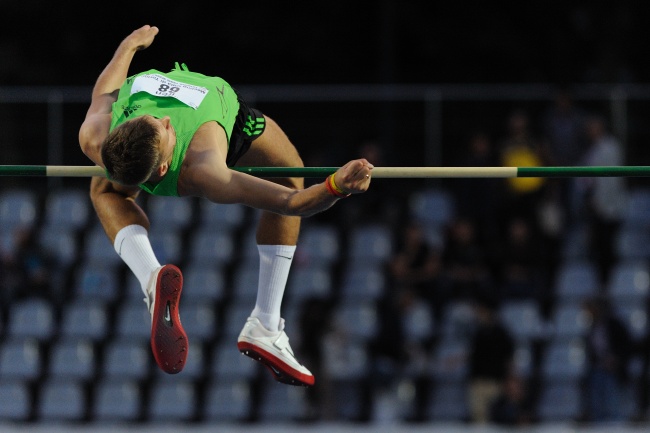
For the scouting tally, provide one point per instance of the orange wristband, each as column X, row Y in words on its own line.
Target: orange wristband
column 333, row 189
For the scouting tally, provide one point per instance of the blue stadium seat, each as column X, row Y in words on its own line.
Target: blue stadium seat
column 61, row 243
column 246, row 281
column 235, row 318
column 318, row 245
column 632, row 243
column 98, row 248
column 363, row 282
column 559, row 401
column 210, row 247
column 450, row 360
column 309, row 282
column 172, row 399
column 637, row 212
column 133, row 320
column 16, row 401
column 97, row 281
column 432, row 207
column 523, row 362
column 564, row 360
column 203, row 283
column 126, row 358
column 221, row 216
column 635, row 316
column 199, row 319
column 228, row 400
column 282, row 403
column 357, row 319
column 20, row 359
column 418, row 322
column 448, row 402
column 570, row 320
column 229, row 364
column 32, row 318
column 346, row 359
column 523, row 319
column 457, row 321
column 371, row 244
column 18, row 208
column 167, row 244
column 175, row 214
column 577, row 280
column 85, row 318
column 69, row 208
column 72, row 359
column 117, row 400
column 629, row 282
column 61, row 400
column 575, row 244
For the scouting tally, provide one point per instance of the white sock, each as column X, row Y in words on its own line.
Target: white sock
column 275, row 262
column 133, row 246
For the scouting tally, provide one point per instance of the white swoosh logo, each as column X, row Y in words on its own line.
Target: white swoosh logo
column 168, row 316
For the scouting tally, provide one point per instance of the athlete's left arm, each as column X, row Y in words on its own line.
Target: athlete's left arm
column 96, row 125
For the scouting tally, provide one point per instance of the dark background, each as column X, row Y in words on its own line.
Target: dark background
column 557, row 43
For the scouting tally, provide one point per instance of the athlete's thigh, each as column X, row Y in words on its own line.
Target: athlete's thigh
column 273, row 149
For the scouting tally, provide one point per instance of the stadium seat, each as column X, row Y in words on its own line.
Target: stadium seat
column 98, row 248
column 203, row 283
column 210, row 247
column 199, row 319
column 117, row 400
column 85, row 318
column 172, row 399
column 523, row 319
column 229, row 364
column 564, row 360
column 450, row 360
column 61, row 401
column 357, row 319
column 418, row 322
column 432, row 207
column 635, row 316
column 523, row 362
column 97, row 281
column 457, row 320
column 282, row 403
column 16, row 401
column 365, row 282
column 18, row 208
column 167, row 244
column 575, row 244
column 632, row 243
column 570, row 320
column 20, row 359
column 637, row 212
column 126, row 358
column 318, row 245
column 448, row 402
column 217, row 216
column 69, row 208
column 346, row 359
column 577, row 280
column 175, row 214
column 245, row 281
column 309, row 283
column 559, row 401
column 372, row 244
column 72, row 359
column 32, row 318
column 235, row 317
column 61, row 244
column 228, row 400
column 629, row 282
column 133, row 320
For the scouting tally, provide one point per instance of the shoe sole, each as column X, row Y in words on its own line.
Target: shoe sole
column 280, row 370
column 168, row 338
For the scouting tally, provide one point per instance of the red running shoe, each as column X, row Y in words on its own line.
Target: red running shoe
column 168, row 338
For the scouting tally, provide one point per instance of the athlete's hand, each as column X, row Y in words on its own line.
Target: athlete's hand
column 354, row 177
column 141, row 38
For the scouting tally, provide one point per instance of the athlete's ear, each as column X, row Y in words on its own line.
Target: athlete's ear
column 162, row 169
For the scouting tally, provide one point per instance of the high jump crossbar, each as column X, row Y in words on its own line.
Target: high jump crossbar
column 377, row 172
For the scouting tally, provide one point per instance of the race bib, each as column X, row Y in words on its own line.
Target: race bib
column 163, row 87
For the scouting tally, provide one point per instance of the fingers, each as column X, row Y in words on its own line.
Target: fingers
column 355, row 176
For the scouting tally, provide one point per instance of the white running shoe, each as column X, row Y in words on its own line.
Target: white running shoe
column 273, row 350
column 168, row 338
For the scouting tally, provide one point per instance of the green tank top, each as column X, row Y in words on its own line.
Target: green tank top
column 190, row 99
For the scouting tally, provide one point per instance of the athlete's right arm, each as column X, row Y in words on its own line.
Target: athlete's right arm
column 96, row 125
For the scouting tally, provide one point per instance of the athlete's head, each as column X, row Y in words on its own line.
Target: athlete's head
column 138, row 149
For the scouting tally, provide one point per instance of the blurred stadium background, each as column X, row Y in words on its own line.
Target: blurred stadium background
column 404, row 85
